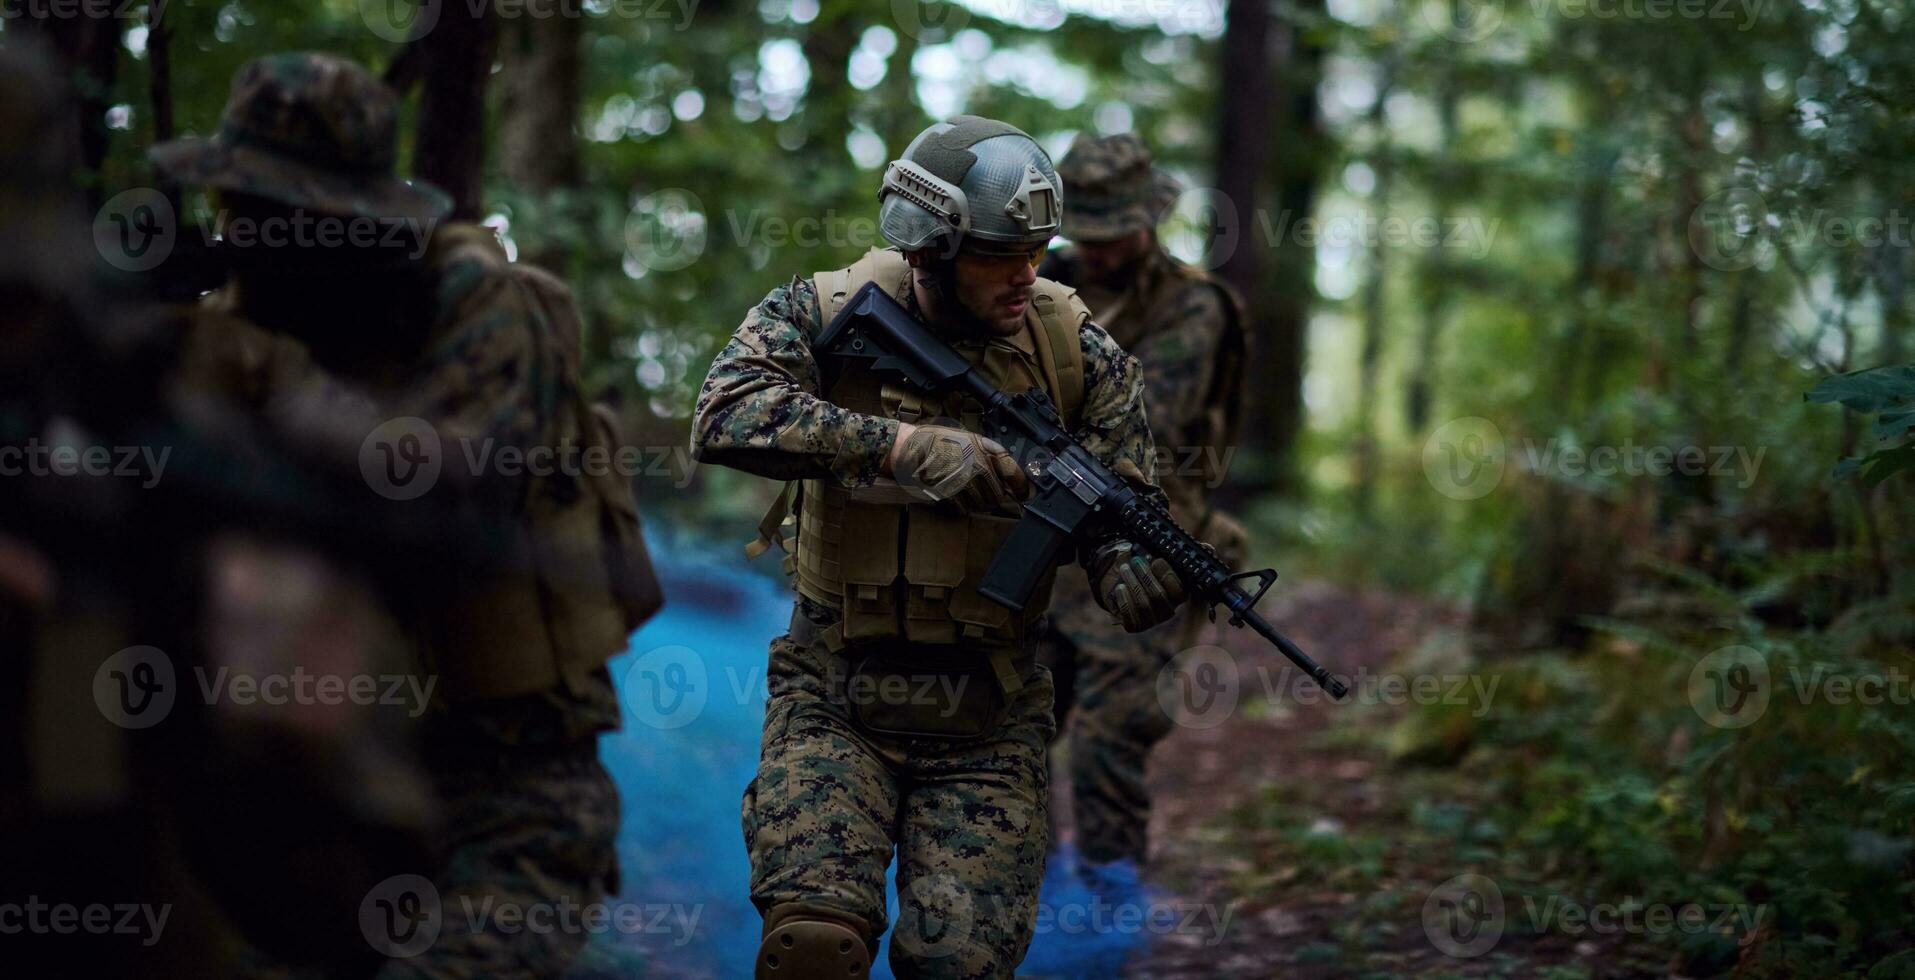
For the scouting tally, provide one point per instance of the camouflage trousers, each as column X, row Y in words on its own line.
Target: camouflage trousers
column 1108, row 715
column 966, row 818
column 530, row 840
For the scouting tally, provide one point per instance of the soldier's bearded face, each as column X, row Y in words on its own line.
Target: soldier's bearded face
column 1108, row 263
column 996, row 289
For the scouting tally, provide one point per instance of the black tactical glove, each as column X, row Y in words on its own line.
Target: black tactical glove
column 1140, row 590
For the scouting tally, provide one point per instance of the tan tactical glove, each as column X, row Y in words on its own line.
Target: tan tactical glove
column 977, row 475
column 1140, row 590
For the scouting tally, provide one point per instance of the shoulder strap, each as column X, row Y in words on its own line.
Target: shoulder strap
column 836, row 286
column 1060, row 315
column 1225, row 398
column 777, row 516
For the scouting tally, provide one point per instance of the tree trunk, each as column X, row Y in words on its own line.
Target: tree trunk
column 900, row 117
column 1272, row 102
column 456, row 60
column 538, row 113
column 828, row 44
column 1290, row 287
column 1242, row 151
column 159, row 61
column 1375, row 296
column 1436, row 278
column 88, row 49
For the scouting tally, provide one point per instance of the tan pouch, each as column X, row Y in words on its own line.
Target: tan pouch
column 980, row 618
column 870, row 569
column 934, row 565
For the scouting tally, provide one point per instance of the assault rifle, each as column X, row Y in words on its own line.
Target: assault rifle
column 1072, row 493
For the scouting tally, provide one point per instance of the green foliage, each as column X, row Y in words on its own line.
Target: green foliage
column 1889, row 394
column 1650, row 239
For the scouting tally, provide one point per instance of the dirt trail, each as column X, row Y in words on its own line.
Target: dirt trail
column 1302, row 917
column 1200, row 773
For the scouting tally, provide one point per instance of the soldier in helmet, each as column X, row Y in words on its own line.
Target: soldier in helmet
column 907, row 712
column 1185, row 328
column 352, row 303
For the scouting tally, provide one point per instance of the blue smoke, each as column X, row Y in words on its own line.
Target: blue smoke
column 693, row 685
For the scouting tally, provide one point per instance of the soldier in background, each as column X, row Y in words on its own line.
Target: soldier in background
column 1185, row 328
column 402, row 348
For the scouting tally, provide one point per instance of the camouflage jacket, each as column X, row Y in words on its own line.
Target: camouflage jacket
column 1177, row 326
column 761, row 411
column 493, row 377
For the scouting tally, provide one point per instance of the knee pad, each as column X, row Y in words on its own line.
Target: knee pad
column 805, row 947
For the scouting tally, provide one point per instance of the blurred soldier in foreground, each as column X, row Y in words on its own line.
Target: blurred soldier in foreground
column 356, row 320
column 154, row 832
column 1186, row 330
column 906, row 710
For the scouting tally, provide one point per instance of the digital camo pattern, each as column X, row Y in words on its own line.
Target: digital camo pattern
column 491, row 371
column 532, row 836
column 530, row 813
column 1109, row 716
column 1107, row 677
column 1110, row 188
column 968, row 819
column 760, row 409
column 830, row 802
column 309, row 130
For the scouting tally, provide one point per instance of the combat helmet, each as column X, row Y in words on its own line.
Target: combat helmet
column 974, row 182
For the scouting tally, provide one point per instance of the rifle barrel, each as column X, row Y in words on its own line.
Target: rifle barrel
column 1317, row 671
